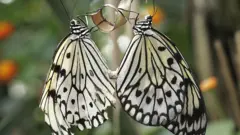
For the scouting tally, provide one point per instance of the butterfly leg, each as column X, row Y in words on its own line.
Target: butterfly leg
column 113, row 74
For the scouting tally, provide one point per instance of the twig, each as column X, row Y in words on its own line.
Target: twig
column 115, row 62
column 237, row 56
column 231, row 90
column 201, row 39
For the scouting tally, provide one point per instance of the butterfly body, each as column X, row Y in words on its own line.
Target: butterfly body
column 78, row 90
column 155, row 85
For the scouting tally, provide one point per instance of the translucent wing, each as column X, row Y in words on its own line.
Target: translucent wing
column 79, row 79
column 155, row 84
column 53, row 114
column 193, row 119
column 84, row 89
column 150, row 83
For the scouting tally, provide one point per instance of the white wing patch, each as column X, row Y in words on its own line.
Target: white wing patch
column 82, row 89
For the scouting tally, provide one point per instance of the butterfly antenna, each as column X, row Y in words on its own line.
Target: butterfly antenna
column 92, row 29
column 85, row 23
column 154, row 7
column 74, row 7
column 65, row 10
column 86, row 19
column 128, row 19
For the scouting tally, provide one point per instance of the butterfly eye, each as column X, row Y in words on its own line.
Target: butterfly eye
column 77, row 22
column 73, row 22
column 148, row 17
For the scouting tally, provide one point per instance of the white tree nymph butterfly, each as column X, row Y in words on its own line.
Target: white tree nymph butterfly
column 78, row 89
column 155, row 84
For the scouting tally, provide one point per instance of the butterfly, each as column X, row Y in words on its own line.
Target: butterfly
column 78, row 89
column 155, row 84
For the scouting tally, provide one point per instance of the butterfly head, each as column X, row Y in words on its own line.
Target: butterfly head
column 148, row 18
column 142, row 26
column 77, row 28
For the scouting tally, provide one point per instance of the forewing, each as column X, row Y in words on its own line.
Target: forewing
column 53, row 115
column 150, row 82
column 193, row 119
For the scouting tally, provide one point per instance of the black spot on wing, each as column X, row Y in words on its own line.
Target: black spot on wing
column 170, row 61
column 63, row 72
column 148, row 100
column 138, row 93
column 91, row 104
column 174, row 80
column 73, row 101
column 159, row 101
column 68, row 55
column 161, row 48
column 64, row 89
column 168, row 93
column 52, row 93
column 146, row 90
column 81, row 121
column 56, row 68
column 178, row 57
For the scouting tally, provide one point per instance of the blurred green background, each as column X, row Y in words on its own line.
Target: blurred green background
column 205, row 31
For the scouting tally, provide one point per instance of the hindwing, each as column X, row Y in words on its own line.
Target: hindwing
column 193, row 119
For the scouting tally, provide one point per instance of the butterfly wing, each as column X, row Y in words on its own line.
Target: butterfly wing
column 84, row 89
column 193, row 119
column 55, row 119
column 79, row 78
column 150, row 83
column 53, row 115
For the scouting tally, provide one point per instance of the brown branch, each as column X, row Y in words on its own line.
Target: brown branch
column 237, row 56
column 115, row 63
column 231, row 90
column 201, row 40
